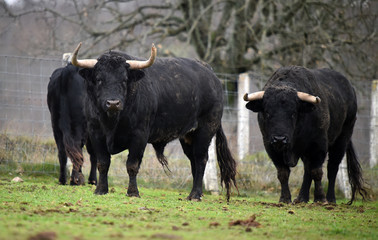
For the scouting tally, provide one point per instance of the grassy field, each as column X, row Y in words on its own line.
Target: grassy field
column 39, row 208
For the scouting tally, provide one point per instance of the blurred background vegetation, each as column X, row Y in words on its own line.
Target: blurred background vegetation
column 233, row 36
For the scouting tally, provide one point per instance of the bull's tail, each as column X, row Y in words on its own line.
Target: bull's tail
column 73, row 151
column 73, row 148
column 159, row 150
column 355, row 174
column 227, row 163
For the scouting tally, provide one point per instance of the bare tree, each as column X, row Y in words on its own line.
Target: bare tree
column 233, row 36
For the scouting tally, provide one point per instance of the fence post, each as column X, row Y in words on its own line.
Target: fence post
column 374, row 124
column 343, row 179
column 210, row 178
column 243, row 117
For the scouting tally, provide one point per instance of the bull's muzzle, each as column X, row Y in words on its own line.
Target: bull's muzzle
column 113, row 105
column 279, row 142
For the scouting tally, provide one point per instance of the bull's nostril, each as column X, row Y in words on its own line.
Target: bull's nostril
column 113, row 103
column 279, row 139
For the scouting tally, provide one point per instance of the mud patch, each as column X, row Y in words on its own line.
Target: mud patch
column 279, row 205
column 44, row 236
column 165, row 236
column 250, row 222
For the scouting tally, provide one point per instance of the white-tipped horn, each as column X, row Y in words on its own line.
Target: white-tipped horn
column 135, row 64
column 253, row 96
column 84, row 63
column 308, row 98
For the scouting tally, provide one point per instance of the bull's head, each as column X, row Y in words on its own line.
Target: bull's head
column 279, row 109
column 108, row 78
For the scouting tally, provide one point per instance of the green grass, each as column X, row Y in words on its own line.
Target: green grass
column 40, row 206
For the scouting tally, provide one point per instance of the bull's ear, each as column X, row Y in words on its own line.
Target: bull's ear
column 306, row 107
column 136, row 75
column 255, row 105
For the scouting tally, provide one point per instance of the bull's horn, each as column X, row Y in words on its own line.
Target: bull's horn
column 253, row 96
column 135, row 64
column 85, row 63
column 308, row 98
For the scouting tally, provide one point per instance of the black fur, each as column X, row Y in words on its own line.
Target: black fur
column 294, row 129
column 174, row 98
column 65, row 101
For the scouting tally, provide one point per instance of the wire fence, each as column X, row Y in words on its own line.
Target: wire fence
column 24, row 112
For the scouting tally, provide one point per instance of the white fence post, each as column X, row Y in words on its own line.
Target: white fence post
column 374, row 124
column 343, row 179
column 243, row 117
column 210, row 179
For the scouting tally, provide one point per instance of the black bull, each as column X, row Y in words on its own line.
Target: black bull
column 297, row 125
column 65, row 93
column 128, row 106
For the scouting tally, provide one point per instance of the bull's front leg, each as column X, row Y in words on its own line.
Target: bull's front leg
column 103, row 164
column 199, row 171
column 102, row 155
column 133, row 164
column 283, row 174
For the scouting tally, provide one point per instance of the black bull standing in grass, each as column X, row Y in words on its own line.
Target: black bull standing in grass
column 296, row 124
column 130, row 103
column 64, row 98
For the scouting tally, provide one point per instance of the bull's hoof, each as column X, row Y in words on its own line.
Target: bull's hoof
column 62, row 180
column 92, row 182
column 195, row 197
column 62, row 183
column 132, row 191
column 285, row 200
column 321, row 200
column 101, row 190
column 300, row 199
column 77, row 179
column 133, row 195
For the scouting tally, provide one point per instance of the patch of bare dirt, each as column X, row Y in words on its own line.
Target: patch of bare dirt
column 44, row 236
column 165, row 236
column 279, row 205
column 250, row 222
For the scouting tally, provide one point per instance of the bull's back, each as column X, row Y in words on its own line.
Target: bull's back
column 186, row 92
column 340, row 100
column 64, row 98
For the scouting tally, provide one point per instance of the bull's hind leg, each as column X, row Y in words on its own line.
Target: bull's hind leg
column 335, row 154
column 317, row 175
column 92, row 179
column 62, row 163
column 304, row 193
column 196, row 146
column 62, row 156
column 77, row 176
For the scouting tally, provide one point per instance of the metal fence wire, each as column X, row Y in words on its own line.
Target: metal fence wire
column 24, row 112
